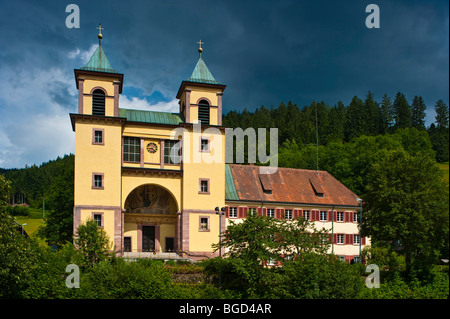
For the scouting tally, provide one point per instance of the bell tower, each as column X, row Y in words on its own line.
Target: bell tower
column 98, row 84
column 98, row 139
column 201, row 95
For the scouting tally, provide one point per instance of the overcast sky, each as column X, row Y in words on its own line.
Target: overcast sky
column 266, row 52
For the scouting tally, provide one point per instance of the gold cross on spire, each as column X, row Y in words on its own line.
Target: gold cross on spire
column 100, row 36
column 200, row 50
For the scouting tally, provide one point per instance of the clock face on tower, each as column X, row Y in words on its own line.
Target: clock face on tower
column 152, row 147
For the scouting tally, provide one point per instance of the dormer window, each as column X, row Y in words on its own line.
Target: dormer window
column 265, row 183
column 317, row 187
column 98, row 102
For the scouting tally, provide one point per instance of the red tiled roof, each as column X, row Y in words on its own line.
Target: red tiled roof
column 289, row 185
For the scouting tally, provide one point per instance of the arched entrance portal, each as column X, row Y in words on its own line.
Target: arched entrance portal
column 150, row 220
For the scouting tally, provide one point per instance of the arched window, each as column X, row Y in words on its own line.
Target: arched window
column 98, row 102
column 203, row 112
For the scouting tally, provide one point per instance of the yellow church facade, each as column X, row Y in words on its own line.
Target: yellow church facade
column 152, row 180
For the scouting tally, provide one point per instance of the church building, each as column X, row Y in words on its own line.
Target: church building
column 146, row 177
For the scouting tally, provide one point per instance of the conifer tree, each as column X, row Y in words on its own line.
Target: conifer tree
column 402, row 111
column 387, row 113
column 418, row 108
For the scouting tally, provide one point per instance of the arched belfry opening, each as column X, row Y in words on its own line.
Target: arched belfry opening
column 98, row 102
column 203, row 111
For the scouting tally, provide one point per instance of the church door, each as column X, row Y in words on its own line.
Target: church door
column 148, row 238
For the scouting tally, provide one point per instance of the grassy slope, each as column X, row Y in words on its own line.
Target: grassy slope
column 33, row 221
column 444, row 167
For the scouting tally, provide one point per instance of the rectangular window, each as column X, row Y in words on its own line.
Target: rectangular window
column 127, row 244
column 98, row 219
column 252, row 211
column 306, row 215
column 204, row 224
column 270, row 212
column 340, row 238
column 355, row 239
column 203, row 186
column 172, row 152
column 233, row 213
column 341, row 258
column 340, row 216
column 356, row 217
column 132, row 149
column 97, row 181
column 98, row 136
column 204, row 144
column 288, row 214
column 323, row 216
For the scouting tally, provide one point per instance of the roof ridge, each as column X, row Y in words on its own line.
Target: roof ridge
column 284, row 168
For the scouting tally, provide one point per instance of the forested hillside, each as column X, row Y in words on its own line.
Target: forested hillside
column 341, row 124
column 30, row 185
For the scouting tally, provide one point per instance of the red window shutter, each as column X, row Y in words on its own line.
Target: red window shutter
column 347, row 239
column 363, row 240
column 258, row 211
column 239, row 212
column 226, row 212
column 350, row 216
column 335, row 238
column 330, row 215
column 280, row 213
column 334, row 216
column 317, row 215
column 264, row 211
column 330, row 238
column 244, row 212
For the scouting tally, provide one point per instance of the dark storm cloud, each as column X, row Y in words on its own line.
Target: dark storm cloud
column 266, row 52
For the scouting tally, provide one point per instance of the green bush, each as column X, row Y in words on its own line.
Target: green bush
column 320, row 276
column 17, row 210
column 395, row 287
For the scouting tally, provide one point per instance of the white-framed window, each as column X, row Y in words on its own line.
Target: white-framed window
column 355, row 239
column 131, row 149
column 271, row 212
column 271, row 262
column 340, row 216
column 252, row 211
column 307, row 215
column 341, row 258
column 232, row 213
column 356, row 217
column 323, row 216
column 288, row 214
column 340, row 238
